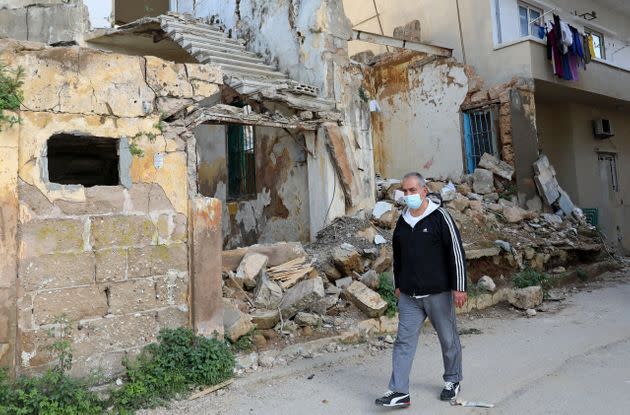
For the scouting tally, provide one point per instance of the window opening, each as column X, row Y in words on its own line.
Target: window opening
column 528, row 17
column 129, row 11
column 83, row 160
column 241, row 161
column 598, row 43
column 479, row 136
column 610, row 161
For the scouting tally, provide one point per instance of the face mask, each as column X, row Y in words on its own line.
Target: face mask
column 413, row 201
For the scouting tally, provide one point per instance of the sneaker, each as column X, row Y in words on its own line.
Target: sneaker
column 394, row 400
column 450, row 391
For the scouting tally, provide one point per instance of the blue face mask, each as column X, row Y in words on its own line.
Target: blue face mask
column 413, row 201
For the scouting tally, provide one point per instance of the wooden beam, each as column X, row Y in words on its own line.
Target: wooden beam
column 399, row 43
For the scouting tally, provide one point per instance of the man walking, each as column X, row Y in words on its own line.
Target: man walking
column 430, row 280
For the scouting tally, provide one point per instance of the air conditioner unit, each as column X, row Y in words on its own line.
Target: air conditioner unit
column 602, row 128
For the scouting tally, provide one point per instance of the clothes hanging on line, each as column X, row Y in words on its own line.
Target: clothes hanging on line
column 567, row 49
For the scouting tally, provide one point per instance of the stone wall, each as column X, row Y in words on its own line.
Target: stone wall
column 113, row 259
column 47, row 21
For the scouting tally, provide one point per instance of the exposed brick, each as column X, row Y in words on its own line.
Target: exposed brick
column 115, row 333
column 74, row 303
column 157, row 260
column 139, row 197
column 32, row 197
column 121, row 231
column 172, row 318
column 131, row 296
column 56, row 271
column 172, row 289
column 111, row 265
column 41, row 237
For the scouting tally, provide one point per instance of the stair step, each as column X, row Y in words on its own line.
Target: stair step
column 204, row 51
column 196, row 30
column 184, row 39
column 258, row 73
column 215, row 60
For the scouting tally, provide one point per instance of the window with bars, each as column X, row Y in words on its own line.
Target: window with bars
column 480, row 136
column 241, row 161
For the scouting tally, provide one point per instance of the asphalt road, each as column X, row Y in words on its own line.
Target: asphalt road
column 572, row 361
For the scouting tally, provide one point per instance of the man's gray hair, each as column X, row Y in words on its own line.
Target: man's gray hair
column 418, row 176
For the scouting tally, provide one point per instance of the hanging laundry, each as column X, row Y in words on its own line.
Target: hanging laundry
column 568, row 49
column 591, row 48
column 587, row 51
column 567, row 36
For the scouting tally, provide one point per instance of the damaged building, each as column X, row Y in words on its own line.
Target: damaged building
column 155, row 135
column 513, row 105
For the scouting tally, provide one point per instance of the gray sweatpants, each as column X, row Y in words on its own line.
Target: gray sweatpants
column 412, row 312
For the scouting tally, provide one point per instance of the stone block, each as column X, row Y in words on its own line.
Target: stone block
column 484, row 301
column 41, row 237
column 367, row 300
column 35, row 348
column 514, row 214
column 389, row 219
column 74, row 303
column 173, row 317
column 371, row 279
column 167, row 78
column 251, row 267
column 55, row 23
column 347, row 259
column 268, row 294
column 278, row 253
column 389, row 325
column 265, row 319
column 369, row 327
column 482, row 252
column 98, row 200
column 301, row 296
column 111, row 265
column 13, row 23
column 342, row 283
column 483, row 181
column 180, row 229
column 56, row 271
column 486, row 283
column 236, row 323
column 172, row 289
column 526, row 298
column 34, row 199
column 384, row 261
column 380, row 208
column 132, row 296
column 121, row 231
column 496, row 166
column 459, row 203
column 157, row 260
column 115, row 333
column 308, row 319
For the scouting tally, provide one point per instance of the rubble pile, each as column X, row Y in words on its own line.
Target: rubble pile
column 331, row 286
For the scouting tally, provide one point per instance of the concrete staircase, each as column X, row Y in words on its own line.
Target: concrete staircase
column 207, row 44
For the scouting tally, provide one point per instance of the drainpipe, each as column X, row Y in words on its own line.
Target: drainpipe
column 461, row 36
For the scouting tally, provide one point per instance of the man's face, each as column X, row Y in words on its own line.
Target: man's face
column 411, row 186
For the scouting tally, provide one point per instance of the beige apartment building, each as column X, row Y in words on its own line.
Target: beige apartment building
column 583, row 126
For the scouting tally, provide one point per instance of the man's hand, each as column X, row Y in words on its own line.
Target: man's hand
column 460, row 298
column 397, row 292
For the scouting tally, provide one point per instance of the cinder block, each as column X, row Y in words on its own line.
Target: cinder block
column 74, row 303
column 42, row 237
column 111, row 265
column 121, row 231
column 132, row 296
column 56, row 271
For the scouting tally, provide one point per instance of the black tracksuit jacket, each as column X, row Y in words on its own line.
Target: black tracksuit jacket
column 429, row 259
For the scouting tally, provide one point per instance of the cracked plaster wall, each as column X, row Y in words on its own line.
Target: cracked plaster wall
column 419, row 127
column 280, row 209
column 114, row 259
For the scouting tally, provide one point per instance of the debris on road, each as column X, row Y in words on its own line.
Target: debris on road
column 475, row 404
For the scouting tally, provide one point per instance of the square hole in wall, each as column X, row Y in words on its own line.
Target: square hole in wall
column 84, row 160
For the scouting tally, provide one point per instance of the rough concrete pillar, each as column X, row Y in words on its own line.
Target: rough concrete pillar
column 8, row 244
column 206, row 247
column 525, row 143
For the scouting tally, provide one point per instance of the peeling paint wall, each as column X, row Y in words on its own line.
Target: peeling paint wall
column 419, row 126
column 280, row 209
column 114, row 259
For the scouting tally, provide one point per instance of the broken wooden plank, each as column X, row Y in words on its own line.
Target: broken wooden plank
column 211, row 389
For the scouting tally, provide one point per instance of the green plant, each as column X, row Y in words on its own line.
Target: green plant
column 10, row 94
column 61, row 347
column 244, row 343
column 386, row 290
column 53, row 393
column 582, row 275
column 530, row 277
column 167, row 369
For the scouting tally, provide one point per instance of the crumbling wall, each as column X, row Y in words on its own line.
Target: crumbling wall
column 112, row 259
column 280, row 208
column 418, row 127
column 48, row 21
